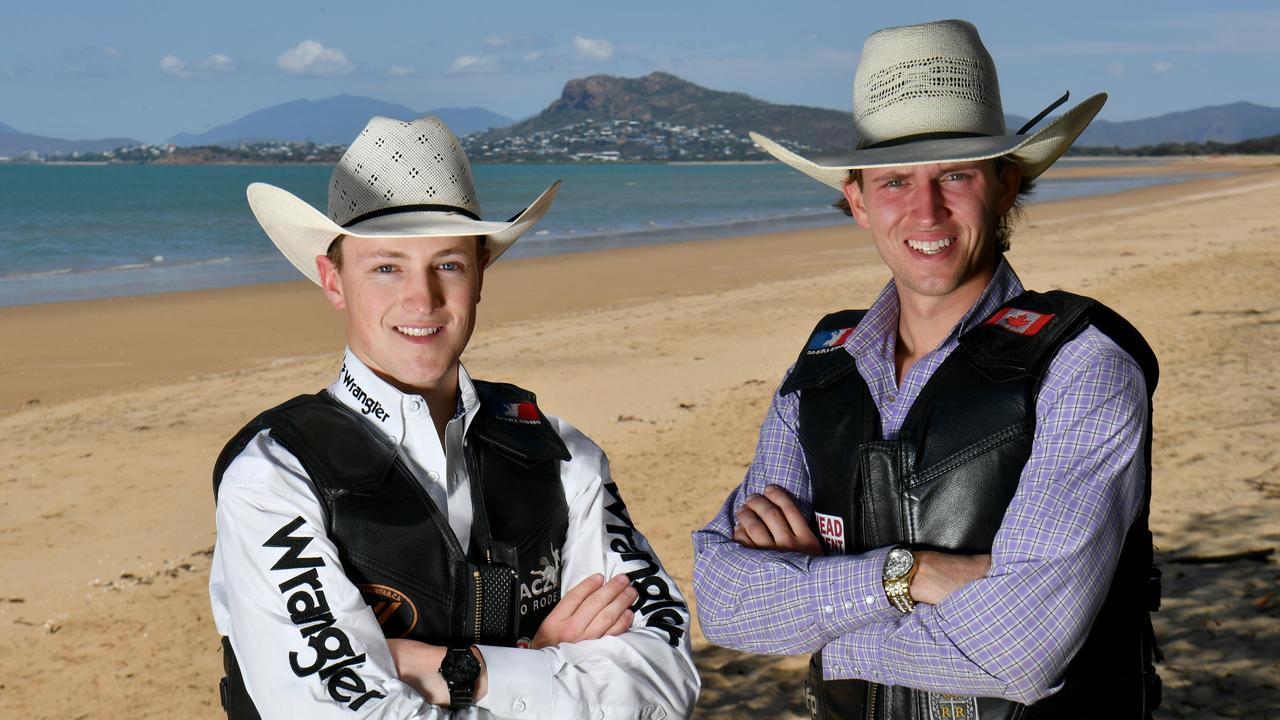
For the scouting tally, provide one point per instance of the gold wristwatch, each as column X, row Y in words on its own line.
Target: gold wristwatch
column 899, row 568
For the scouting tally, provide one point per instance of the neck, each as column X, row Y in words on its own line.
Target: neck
column 442, row 401
column 925, row 321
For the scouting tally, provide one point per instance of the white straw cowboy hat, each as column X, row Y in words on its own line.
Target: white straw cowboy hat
column 928, row 94
column 397, row 179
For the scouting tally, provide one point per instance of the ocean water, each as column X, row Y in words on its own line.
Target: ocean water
column 75, row 232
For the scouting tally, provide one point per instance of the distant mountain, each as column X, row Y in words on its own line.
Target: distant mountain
column 14, row 144
column 1220, row 123
column 666, row 98
column 334, row 120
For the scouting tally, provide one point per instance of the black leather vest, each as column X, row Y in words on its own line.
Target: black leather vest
column 946, row 482
column 397, row 547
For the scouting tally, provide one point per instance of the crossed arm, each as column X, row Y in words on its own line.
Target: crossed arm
column 771, row 521
column 591, row 610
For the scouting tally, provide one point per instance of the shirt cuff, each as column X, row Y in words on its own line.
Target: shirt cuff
column 849, row 592
column 519, row 682
column 858, row 654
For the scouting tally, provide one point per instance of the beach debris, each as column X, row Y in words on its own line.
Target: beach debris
column 685, row 406
column 13, row 600
column 631, row 418
column 52, row 626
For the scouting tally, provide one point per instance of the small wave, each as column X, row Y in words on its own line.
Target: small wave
column 31, row 275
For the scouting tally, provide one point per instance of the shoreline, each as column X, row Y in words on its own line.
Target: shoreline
column 666, row 355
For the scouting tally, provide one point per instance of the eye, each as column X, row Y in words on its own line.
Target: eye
column 385, row 269
column 893, row 183
column 450, row 266
column 957, row 177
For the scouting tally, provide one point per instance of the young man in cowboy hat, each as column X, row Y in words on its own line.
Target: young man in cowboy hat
column 948, row 502
column 396, row 545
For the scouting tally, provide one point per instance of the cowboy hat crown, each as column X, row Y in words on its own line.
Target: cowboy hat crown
column 397, row 179
column 925, row 94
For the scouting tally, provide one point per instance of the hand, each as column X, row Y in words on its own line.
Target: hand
column 418, row 665
column 939, row 574
column 773, row 522
column 591, row 610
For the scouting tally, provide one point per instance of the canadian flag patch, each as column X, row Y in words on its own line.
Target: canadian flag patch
column 831, row 530
column 1023, row 322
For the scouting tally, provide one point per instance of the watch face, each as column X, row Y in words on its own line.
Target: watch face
column 459, row 666
column 898, row 563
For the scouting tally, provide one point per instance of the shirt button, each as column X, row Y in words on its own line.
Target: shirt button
column 890, row 399
column 519, row 705
column 415, row 405
column 828, row 609
column 435, row 476
column 848, row 606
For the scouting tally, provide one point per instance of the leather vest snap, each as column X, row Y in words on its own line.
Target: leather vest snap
column 945, row 483
column 397, row 547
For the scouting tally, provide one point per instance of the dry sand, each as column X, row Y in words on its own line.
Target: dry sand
column 112, row 412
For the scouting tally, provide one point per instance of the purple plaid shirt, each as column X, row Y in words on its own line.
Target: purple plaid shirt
column 1009, row 634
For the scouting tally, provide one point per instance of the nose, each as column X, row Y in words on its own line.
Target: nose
column 928, row 206
column 422, row 292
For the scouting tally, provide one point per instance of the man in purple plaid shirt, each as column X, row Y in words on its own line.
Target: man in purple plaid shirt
column 948, row 502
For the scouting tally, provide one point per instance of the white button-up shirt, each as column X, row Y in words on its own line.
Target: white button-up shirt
column 646, row 672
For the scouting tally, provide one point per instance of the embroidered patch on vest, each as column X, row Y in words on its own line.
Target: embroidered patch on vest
column 827, row 340
column 525, row 412
column 1023, row 322
column 943, row 706
column 831, row 529
column 396, row 613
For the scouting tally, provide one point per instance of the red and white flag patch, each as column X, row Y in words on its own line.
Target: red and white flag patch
column 525, row 412
column 831, row 530
column 1023, row 322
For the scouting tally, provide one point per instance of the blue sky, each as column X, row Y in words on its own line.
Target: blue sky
column 81, row 69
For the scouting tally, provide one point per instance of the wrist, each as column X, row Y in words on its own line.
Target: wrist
column 900, row 568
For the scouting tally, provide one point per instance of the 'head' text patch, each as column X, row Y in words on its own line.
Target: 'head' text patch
column 831, row 529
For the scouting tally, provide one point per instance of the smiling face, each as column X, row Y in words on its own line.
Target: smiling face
column 935, row 226
column 410, row 306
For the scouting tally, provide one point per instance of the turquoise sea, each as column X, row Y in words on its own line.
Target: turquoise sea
column 74, row 232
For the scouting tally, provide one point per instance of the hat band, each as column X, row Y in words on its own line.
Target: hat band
column 410, row 208
column 919, row 137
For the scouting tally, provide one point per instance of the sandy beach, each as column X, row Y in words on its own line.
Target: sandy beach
column 114, row 410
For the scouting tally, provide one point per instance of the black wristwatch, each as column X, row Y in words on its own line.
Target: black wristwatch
column 460, row 670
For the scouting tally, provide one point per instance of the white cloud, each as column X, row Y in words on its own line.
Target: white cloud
column 93, row 61
column 173, row 65
column 218, row 62
column 1115, row 69
column 1161, row 68
column 475, row 65
column 401, row 71
column 113, row 53
column 497, row 41
column 311, row 58
column 532, row 56
column 597, row 49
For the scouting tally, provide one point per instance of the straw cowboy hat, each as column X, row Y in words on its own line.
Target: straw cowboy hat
column 397, row 179
column 927, row 94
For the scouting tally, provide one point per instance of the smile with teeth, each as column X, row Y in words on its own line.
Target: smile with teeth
column 418, row 332
column 930, row 247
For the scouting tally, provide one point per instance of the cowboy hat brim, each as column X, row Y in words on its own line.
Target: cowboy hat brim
column 302, row 232
column 1036, row 151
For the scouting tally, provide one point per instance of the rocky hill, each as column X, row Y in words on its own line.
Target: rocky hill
column 662, row 97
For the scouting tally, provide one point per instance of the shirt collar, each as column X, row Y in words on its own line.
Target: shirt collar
column 384, row 406
column 878, row 331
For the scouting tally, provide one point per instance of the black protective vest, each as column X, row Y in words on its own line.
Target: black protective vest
column 397, row 547
column 946, row 482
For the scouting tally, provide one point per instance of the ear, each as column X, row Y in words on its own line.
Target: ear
column 853, row 193
column 1010, row 180
column 331, row 282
